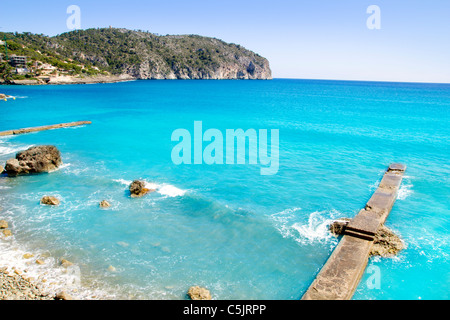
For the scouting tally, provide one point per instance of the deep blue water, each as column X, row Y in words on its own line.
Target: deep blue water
column 227, row 227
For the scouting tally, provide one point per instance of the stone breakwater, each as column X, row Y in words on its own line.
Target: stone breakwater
column 43, row 128
column 385, row 244
column 341, row 274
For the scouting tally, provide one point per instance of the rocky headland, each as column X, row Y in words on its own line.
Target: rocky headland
column 115, row 54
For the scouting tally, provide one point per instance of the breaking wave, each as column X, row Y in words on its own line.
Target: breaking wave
column 291, row 225
column 405, row 191
column 164, row 189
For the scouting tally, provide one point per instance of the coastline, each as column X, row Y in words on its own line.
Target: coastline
column 37, row 275
column 72, row 80
column 16, row 287
column 29, row 271
column 67, row 80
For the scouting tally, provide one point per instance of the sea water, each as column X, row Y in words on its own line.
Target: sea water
column 228, row 228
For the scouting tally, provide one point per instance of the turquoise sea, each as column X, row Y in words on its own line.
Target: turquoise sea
column 228, row 228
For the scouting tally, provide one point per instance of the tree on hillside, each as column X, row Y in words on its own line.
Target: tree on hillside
column 5, row 71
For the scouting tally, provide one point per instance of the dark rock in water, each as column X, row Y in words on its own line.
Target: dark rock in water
column 65, row 263
column 34, row 160
column 63, row 296
column 105, row 204
column 337, row 227
column 49, row 200
column 137, row 189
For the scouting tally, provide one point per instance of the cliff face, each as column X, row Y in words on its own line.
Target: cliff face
column 243, row 68
column 144, row 55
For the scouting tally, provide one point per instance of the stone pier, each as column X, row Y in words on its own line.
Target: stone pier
column 43, row 128
column 342, row 272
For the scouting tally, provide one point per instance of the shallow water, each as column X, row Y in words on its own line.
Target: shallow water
column 227, row 227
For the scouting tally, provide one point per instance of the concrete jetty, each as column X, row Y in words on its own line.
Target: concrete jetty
column 43, row 128
column 342, row 272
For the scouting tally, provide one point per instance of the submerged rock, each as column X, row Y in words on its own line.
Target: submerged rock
column 3, row 224
column 28, row 256
column 105, row 204
column 7, row 233
column 198, row 293
column 337, row 227
column 50, row 201
column 112, row 269
column 65, row 263
column 385, row 244
column 137, row 189
column 34, row 160
column 63, row 296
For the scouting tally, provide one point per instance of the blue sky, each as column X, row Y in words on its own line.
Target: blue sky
column 314, row 39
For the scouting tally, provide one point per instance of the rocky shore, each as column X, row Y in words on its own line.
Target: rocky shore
column 21, row 280
column 38, row 275
column 25, row 276
column 14, row 286
column 72, row 80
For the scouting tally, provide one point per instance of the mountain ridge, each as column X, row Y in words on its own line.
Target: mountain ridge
column 132, row 54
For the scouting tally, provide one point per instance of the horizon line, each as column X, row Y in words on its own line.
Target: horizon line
column 355, row 80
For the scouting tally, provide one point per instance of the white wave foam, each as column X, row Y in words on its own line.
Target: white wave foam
column 72, row 169
column 164, row 189
column 123, row 181
column 51, row 277
column 171, row 191
column 64, row 166
column 7, row 150
column 374, row 185
column 61, row 167
column 152, row 185
column 315, row 230
column 16, row 97
column 405, row 191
